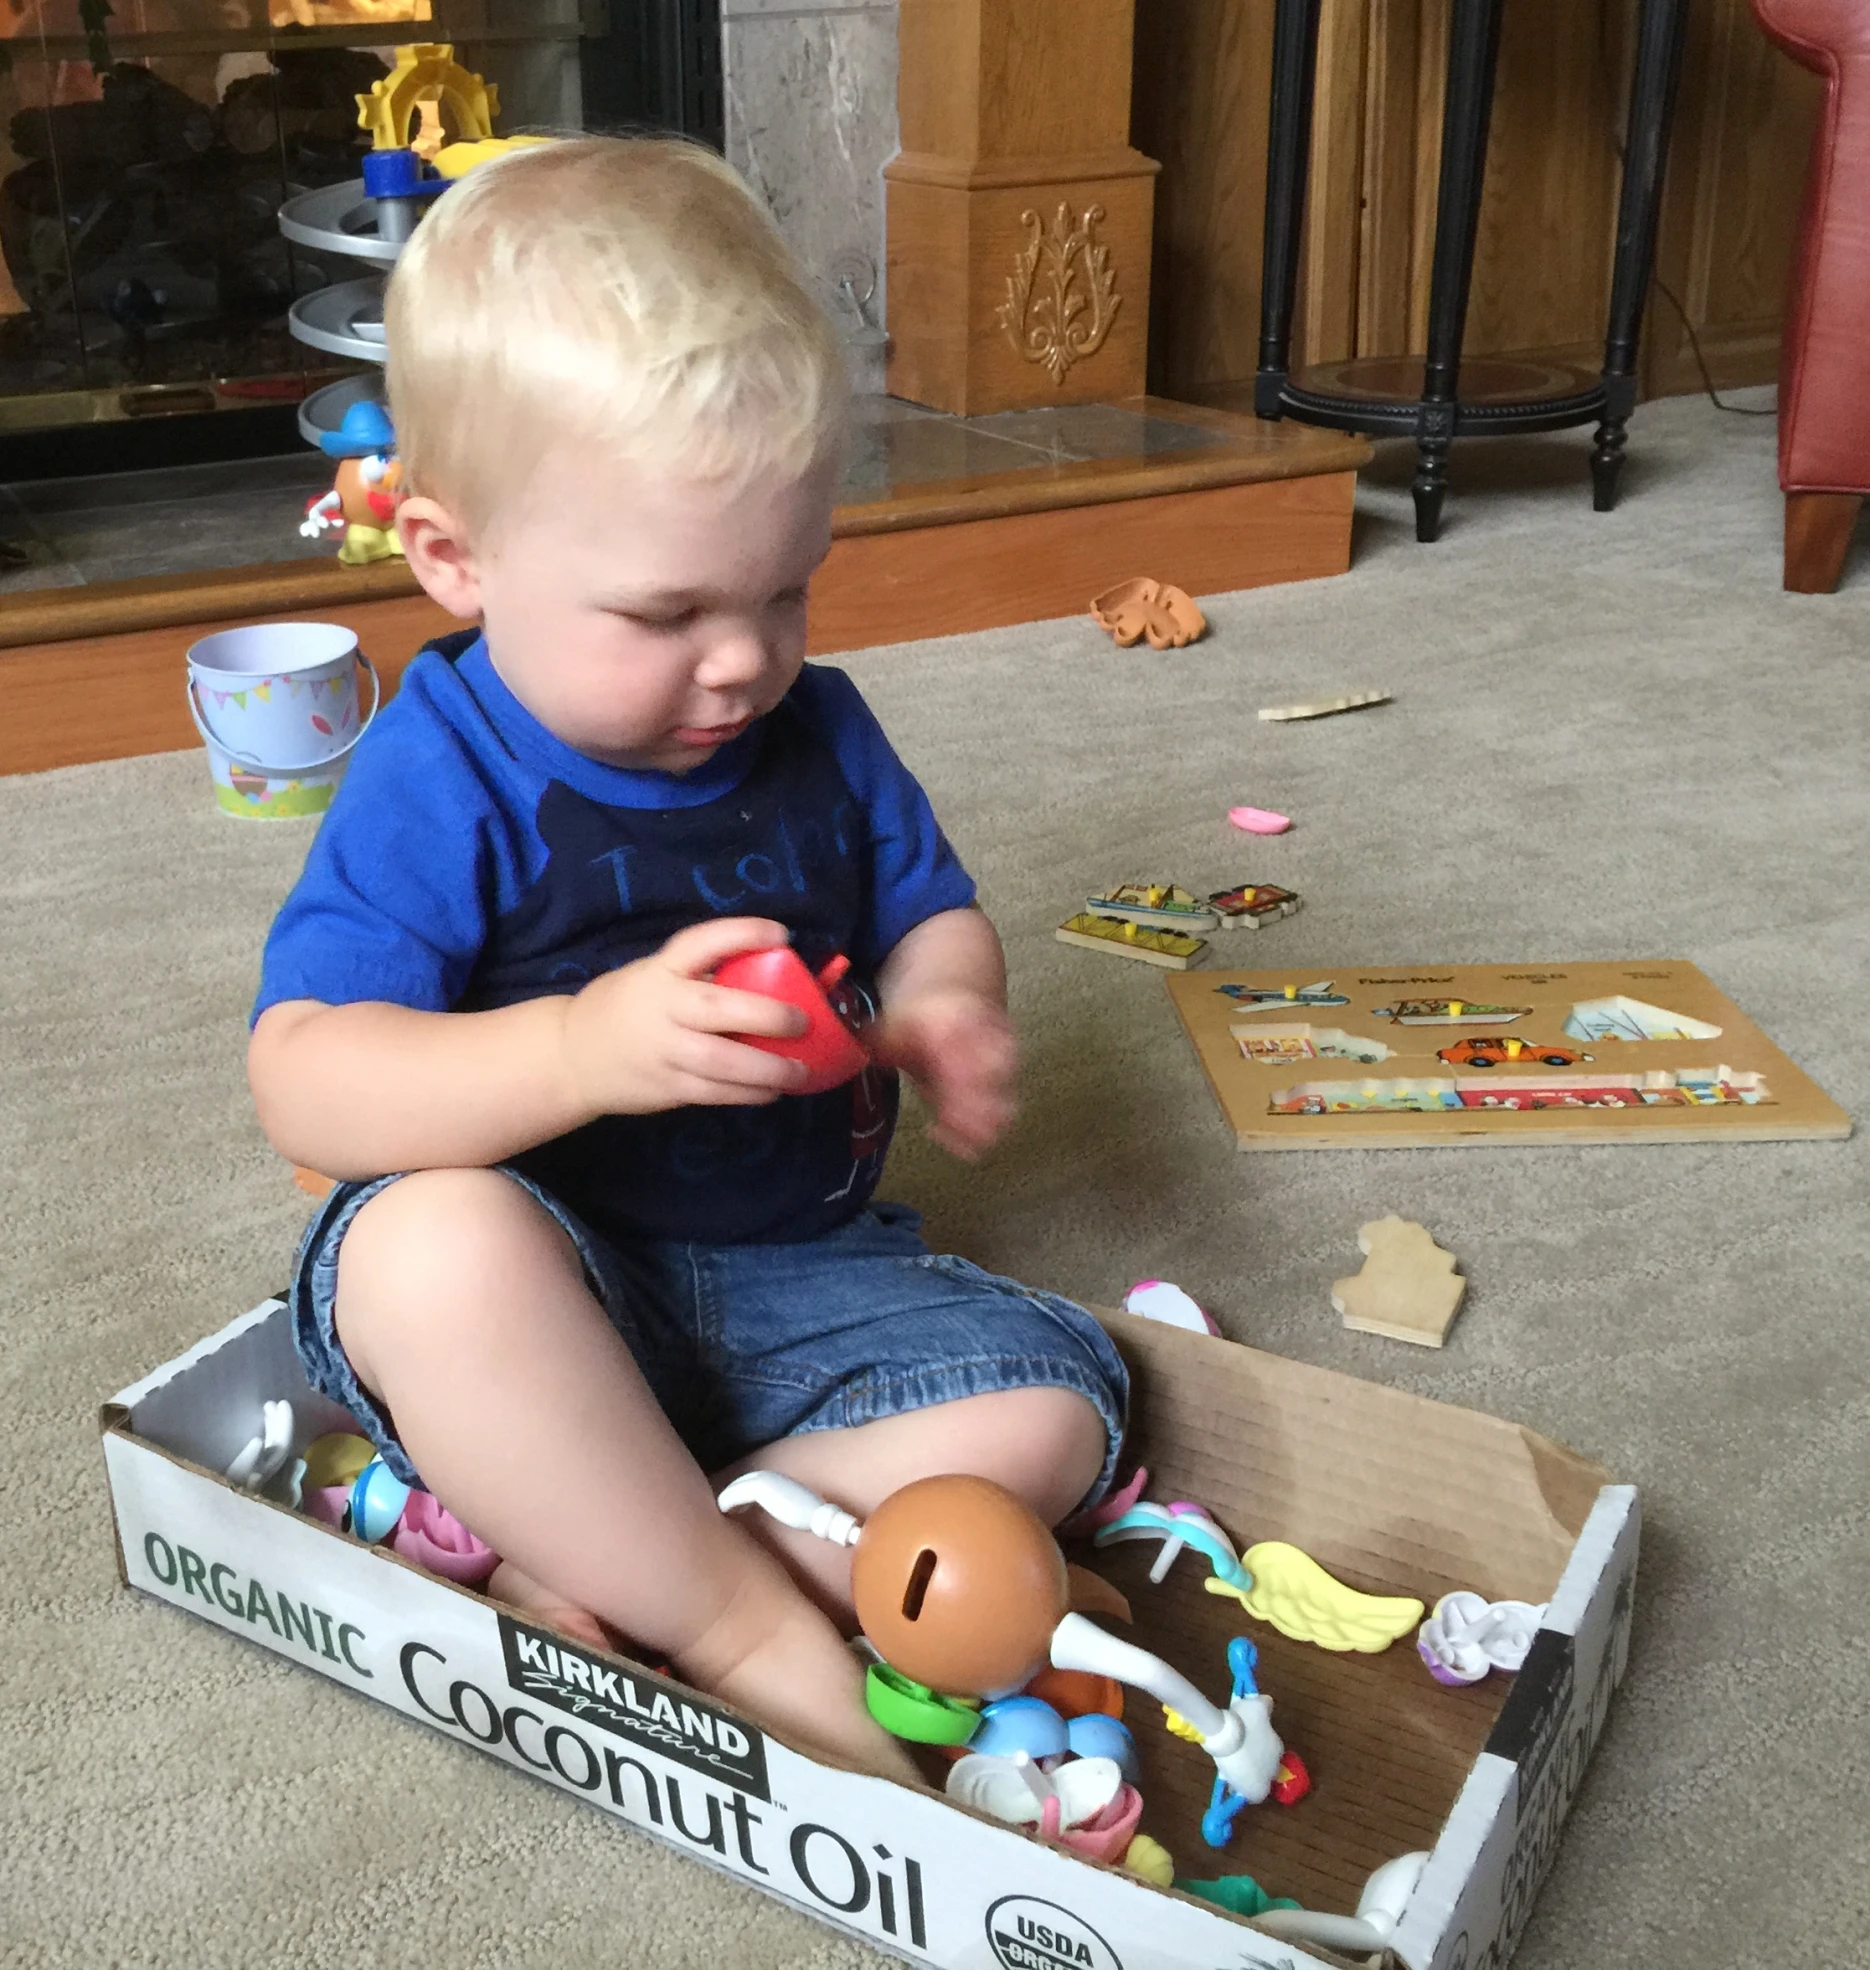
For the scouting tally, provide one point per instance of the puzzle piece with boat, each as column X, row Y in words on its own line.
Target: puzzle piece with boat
column 1164, row 924
column 1636, row 1051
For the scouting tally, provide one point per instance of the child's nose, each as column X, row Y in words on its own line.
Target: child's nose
column 737, row 658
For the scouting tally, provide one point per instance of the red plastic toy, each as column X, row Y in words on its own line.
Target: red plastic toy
column 828, row 1046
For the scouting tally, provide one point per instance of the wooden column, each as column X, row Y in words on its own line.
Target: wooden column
column 1018, row 213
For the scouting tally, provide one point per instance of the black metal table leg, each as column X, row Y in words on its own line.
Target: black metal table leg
column 1354, row 394
column 1473, row 44
column 1646, row 146
column 1289, row 139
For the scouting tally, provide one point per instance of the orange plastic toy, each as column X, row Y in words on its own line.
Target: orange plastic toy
column 1141, row 607
column 959, row 1585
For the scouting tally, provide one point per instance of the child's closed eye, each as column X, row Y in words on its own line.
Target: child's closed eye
column 664, row 625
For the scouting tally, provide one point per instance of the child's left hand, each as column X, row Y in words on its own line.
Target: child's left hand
column 957, row 1046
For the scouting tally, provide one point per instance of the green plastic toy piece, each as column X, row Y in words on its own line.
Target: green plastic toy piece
column 1238, row 1894
column 912, row 1710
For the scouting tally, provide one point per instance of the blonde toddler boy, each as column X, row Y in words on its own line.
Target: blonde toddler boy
column 591, row 1254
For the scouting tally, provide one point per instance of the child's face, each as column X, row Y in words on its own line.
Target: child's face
column 647, row 620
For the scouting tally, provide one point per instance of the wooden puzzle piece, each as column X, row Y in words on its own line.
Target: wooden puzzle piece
column 1408, row 1288
column 1417, row 1094
column 1264, row 998
column 1250, row 904
column 1448, row 1012
column 1324, row 707
column 1273, row 1045
column 1621, row 1017
column 1141, row 607
column 1168, row 949
column 1160, row 905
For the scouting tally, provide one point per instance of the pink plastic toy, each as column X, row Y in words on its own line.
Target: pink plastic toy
column 1259, row 820
column 1161, row 1299
column 1113, row 1507
column 330, row 1503
column 433, row 1537
column 1107, row 1837
column 829, row 1048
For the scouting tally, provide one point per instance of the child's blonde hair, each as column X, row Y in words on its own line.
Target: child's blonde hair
column 626, row 293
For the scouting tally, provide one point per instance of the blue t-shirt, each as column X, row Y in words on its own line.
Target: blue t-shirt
column 473, row 860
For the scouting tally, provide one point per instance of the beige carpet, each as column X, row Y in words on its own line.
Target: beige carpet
column 1612, row 736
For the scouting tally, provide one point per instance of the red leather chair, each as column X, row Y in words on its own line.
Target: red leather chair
column 1824, row 362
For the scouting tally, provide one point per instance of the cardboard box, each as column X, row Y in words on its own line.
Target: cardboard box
column 1394, row 1493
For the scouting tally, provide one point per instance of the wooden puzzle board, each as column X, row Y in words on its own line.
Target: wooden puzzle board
column 1599, row 1099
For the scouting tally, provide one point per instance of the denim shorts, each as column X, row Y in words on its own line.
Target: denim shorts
column 745, row 1344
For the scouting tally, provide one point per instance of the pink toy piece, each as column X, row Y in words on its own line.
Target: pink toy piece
column 1259, row 820
column 832, row 1053
column 1113, row 1507
column 433, row 1537
column 329, row 1503
column 1107, row 1837
column 1163, row 1300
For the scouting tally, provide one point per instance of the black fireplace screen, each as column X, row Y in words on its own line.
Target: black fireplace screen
column 148, row 145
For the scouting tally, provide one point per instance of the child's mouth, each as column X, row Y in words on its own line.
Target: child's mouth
column 709, row 735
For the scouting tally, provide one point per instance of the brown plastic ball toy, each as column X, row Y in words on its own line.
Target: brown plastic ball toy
column 959, row 1585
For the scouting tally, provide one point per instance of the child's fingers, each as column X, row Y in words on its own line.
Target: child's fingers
column 970, row 1120
column 716, row 1059
column 694, row 952
column 722, row 1009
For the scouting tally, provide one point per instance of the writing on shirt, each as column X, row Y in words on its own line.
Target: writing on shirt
column 727, row 883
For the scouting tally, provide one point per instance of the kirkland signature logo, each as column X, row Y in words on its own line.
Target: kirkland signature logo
column 643, row 1709
column 1027, row 1934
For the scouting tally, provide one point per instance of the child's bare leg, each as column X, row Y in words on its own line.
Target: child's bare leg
column 1046, row 1444
column 463, row 1309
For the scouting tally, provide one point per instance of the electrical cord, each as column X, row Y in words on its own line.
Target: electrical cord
column 1613, row 95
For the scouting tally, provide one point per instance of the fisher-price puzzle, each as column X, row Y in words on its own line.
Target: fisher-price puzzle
column 1433, row 1055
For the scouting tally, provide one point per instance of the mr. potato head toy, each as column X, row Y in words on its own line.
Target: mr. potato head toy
column 368, row 489
column 963, row 1591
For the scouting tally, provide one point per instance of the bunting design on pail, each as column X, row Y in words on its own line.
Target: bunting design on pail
column 278, row 707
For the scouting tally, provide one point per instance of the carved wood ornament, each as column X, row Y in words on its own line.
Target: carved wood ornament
column 1045, row 310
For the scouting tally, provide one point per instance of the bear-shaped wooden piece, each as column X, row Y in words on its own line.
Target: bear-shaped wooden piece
column 1408, row 1289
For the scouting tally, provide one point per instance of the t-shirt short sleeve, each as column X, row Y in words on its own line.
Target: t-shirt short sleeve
column 400, row 883
column 915, row 873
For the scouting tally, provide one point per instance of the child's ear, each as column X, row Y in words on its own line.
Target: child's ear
column 440, row 556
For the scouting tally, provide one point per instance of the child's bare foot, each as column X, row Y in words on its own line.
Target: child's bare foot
column 799, row 1677
column 790, row 1680
column 519, row 1590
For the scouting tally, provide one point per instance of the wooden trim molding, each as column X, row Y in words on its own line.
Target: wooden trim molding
column 326, row 589
column 280, row 589
column 98, row 673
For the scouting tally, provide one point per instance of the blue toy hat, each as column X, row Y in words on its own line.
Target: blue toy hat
column 366, row 429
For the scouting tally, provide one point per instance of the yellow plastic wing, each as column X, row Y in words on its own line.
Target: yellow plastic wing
column 1292, row 1591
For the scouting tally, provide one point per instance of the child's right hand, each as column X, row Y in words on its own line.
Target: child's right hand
column 655, row 1034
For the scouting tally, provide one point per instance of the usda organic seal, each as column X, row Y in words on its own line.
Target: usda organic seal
column 1027, row 1934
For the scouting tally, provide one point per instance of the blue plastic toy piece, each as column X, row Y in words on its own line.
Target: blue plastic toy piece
column 1224, row 1803
column 1021, row 1723
column 400, row 174
column 1158, row 1521
column 1095, row 1735
column 377, row 1501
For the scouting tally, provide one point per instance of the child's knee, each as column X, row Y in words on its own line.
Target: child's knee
column 424, row 1250
column 1058, row 1442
